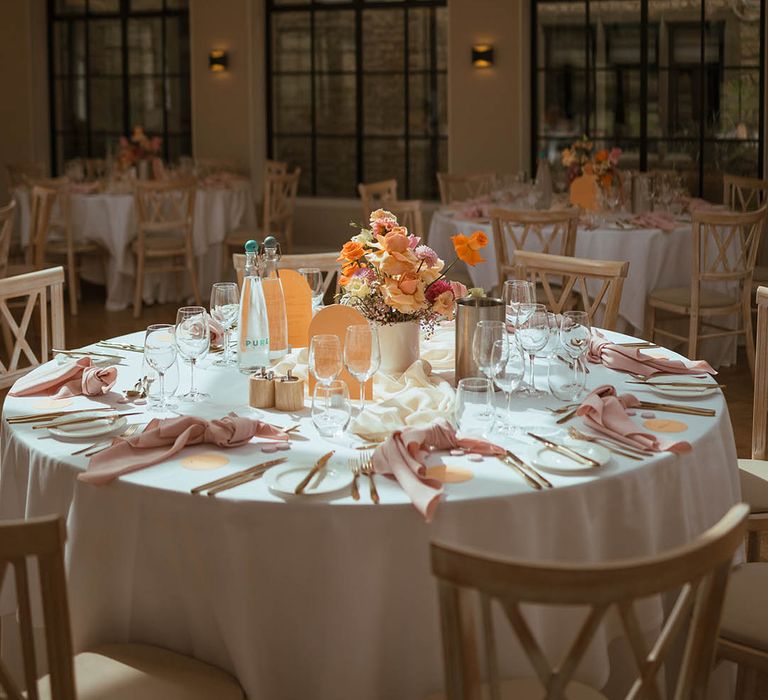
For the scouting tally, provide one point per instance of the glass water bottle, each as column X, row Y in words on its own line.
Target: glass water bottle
column 253, row 345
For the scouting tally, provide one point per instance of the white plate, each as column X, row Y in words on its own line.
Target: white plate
column 98, row 426
column 698, row 388
column 549, row 460
column 284, row 479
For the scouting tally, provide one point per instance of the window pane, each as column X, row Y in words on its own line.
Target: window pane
column 105, row 47
column 143, row 5
column 297, row 152
column 422, row 156
column 291, row 104
column 291, row 42
column 390, row 52
column 70, row 7
column 69, row 48
column 177, row 104
column 178, row 146
column 97, row 6
column 106, row 103
column 335, row 41
column 145, row 46
column 177, row 45
column 562, row 34
column 146, row 103
column 70, row 103
column 384, row 159
column 383, row 104
column 335, row 104
column 336, row 167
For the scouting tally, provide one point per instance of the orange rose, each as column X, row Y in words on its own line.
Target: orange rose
column 405, row 294
column 396, row 241
column 352, row 250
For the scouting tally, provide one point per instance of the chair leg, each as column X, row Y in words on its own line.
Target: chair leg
column 139, row 288
column 746, row 683
column 693, row 335
column 749, row 339
column 72, row 284
column 649, row 322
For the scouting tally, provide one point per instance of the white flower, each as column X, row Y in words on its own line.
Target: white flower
column 363, row 237
column 358, row 287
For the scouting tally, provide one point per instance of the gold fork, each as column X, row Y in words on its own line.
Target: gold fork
column 354, row 467
column 366, row 468
column 129, row 431
column 578, row 435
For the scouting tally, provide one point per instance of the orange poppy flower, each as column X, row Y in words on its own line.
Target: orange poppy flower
column 600, row 156
column 478, row 240
column 467, row 248
column 352, row 250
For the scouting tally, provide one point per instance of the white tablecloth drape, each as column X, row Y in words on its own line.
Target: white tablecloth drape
column 109, row 219
column 327, row 597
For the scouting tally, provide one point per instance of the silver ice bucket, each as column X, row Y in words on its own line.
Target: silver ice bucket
column 469, row 311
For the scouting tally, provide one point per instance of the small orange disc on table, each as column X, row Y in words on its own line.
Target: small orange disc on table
column 665, row 425
column 52, row 403
column 449, row 474
column 204, row 461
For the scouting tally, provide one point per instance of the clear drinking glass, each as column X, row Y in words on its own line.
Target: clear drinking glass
column 160, row 354
column 225, row 308
column 575, row 332
column 331, row 408
column 533, row 336
column 362, row 354
column 474, row 406
column 516, row 293
column 488, row 351
column 325, row 357
column 565, row 378
column 508, row 379
column 314, row 278
column 193, row 339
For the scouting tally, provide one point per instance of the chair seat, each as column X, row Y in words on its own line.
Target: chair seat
column 132, row 671
column 753, row 474
column 681, row 296
column 161, row 246
column 745, row 614
column 530, row 688
column 59, row 247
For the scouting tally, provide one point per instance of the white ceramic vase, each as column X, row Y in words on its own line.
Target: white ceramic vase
column 399, row 343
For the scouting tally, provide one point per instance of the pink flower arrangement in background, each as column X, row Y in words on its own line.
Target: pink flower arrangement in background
column 138, row 147
column 579, row 160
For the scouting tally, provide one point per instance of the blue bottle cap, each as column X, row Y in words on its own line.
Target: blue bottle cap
column 251, row 246
column 270, row 242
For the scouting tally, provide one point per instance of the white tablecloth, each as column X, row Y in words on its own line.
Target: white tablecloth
column 109, row 219
column 328, row 597
column 657, row 260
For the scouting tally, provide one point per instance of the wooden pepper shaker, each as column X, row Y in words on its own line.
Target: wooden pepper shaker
column 289, row 393
column 261, row 389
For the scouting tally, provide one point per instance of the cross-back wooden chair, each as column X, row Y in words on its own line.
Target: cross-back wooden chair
column 30, row 293
column 35, row 547
column 725, row 248
column 460, row 188
column 744, row 193
column 408, row 213
column 699, row 570
column 327, row 263
column 21, row 174
column 566, row 281
column 7, row 217
column 52, row 239
column 275, row 167
column 165, row 211
column 551, row 232
column 376, row 195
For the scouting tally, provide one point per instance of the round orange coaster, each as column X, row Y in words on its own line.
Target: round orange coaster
column 52, row 403
column 449, row 474
column 665, row 425
column 204, row 461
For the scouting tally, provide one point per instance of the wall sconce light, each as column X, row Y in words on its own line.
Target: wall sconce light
column 218, row 61
column 482, row 55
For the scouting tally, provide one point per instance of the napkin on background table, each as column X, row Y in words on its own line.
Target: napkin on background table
column 403, row 455
column 68, row 378
column 657, row 219
column 605, row 412
column 163, row 438
column 636, row 361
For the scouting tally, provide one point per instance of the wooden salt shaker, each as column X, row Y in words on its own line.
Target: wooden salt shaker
column 261, row 390
column 289, row 393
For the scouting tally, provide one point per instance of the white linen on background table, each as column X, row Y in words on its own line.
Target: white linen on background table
column 109, row 219
column 328, row 597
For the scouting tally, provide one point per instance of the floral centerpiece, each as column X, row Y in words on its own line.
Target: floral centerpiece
column 395, row 281
column 580, row 160
column 138, row 148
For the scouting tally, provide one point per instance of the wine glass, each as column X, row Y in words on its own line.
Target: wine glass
column 575, row 332
column 533, row 335
column 325, row 357
column 553, row 343
column 193, row 338
column 473, row 408
column 331, row 408
column 565, row 378
column 517, row 292
column 314, row 278
column 488, row 355
column 160, row 354
column 362, row 354
column 508, row 379
column 225, row 308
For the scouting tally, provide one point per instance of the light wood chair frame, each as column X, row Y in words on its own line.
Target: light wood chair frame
column 699, row 570
column 376, row 195
column 7, row 218
column 455, row 187
column 22, row 174
column 280, row 205
column 718, row 231
column 152, row 200
column 744, row 193
column 326, row 262
column 571, row 277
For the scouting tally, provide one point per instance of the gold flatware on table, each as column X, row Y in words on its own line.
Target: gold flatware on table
column 369, row 446
column 677, row 408
column 85, row 353
column 528, row 468
column 130, row 431
column 38, row 417
column 528, row 478
column 368, row 470
column 642, row 344
column 565, row 451
column 121, row 346
column 642, row 377
column 565, row 418
column 563, row 409
column 235, row 479
column 89, row 419
column 318, row 466
column 687, row 385
column 578, row 435
column 354, row 467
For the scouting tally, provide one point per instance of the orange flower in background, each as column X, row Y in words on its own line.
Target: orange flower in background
column 352, row 251
column 478, row 240
column 600, row 156
column 468, row 247
column 606, row 180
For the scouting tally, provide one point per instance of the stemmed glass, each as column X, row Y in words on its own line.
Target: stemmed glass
column 533, row 335
column 225, row 307
column 325, row 358
column 160, row 354
column 362, row 355
column 193, row 339
column 508, row 379
column 575, row 332
column 489, row 353
column 314, row 278
column 516, row 293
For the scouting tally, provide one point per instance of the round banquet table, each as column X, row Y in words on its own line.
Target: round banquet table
column 326, row 597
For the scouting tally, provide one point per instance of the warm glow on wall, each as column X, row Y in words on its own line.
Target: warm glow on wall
column 218, row 61
column 482, row 55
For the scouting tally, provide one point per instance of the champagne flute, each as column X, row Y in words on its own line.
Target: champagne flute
column 193, row 338
column 533, row 335
column 225, row 308
column 489, row 357
column 362, row 355
column 160, row 354
column 325, row 358
column 575, row 332
column 314, row 278
column 516, row 293
column 508, row 379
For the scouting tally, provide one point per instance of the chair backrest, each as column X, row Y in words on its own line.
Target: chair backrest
column 40, row 540
column 541, row 231
column 408, row 213
column 760, row 406
column 165, row 206
column 279, row 205
column 40, row 288
column 95, row 168
column 744, row 193
column 376, row 195
column 574, row 277
column 274, row 167
column 460, row 188
column 326, row 262
column 7, row 217
column 49, row 211
column 22, row 173
column 699, row 571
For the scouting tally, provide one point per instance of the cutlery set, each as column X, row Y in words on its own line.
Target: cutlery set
column 611, row 445
column 313, row 472
column 565, row 451
column 532, row 477
column 363, row 466
column 89, row 419
column 238, row 478
column 51, row 415
column 101, row 445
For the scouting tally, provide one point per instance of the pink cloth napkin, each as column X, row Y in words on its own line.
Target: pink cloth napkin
column 605, row 412
column 70, row 378
column 84, row 188
column 163, row 438
column 697, row 204
column 636, row 361
column 403, row 454
column 221, row 180
column 217, row 332
column 655, row 219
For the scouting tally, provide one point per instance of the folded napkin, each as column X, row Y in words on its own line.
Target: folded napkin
column 68, row 378
column 605, row 412
column 217, row 332
column 403, row 456
column 655, row 219
column 693, row 204
column 163, row 438
column 474, row 210
column 634, row 360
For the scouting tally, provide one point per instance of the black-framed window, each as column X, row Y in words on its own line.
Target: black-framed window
column 113, row 65
column 675, row 86
column 357, row 93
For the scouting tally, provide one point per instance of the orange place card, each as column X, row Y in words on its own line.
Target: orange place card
column 584, row 192
column 298, row 307
column 204, row 461
column 665, row 425
column 334, row 320
column 449, row 474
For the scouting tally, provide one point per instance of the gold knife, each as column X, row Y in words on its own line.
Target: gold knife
column 237, row 475
column 529, row 479
column 528, row 468
column 318, row 466
column 567, row 451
